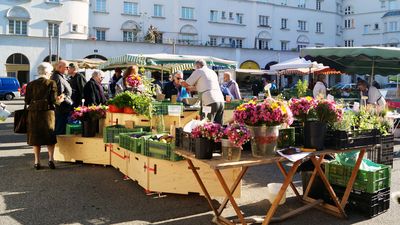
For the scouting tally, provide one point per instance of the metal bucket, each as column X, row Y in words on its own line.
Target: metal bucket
column 265, row 140
column 230, row 151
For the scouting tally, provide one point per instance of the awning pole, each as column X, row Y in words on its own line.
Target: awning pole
column 372, row 71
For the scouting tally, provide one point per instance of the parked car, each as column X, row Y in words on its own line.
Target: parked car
column 391, row 90
column 9, row 88
column 344, row 90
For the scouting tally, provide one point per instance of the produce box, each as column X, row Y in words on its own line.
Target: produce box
column 73, row 129
column 161, row 150
column 338, row 139
column 286, row 137
column 367, row 181
column 111, row 133
column 161, row 108
column 232, row 105
column 133, row 141
column 368, row 204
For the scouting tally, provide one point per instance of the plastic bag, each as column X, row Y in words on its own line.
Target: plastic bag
column 4, row 113
column 350, row 158
column 192, row 124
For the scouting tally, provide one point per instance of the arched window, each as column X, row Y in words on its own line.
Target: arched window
column 130, row 30
column 17, row 58
column 302, row 42
column 96, row 56
column 18, row 18
column 188, row 35
column 53, row 58
column 262, row 40
column 249, row 64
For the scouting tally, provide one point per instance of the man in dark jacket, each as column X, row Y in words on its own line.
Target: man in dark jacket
column 77, row 82
column 64, row 89
column 113, row 81
column 174, row 87
column 93, row 91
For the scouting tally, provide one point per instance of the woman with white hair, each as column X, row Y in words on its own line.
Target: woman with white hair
column 40, row 99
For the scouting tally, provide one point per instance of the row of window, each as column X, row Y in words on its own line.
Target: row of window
column 303, row 3
column 226, row 17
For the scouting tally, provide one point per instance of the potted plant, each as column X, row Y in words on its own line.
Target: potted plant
column 235, row 136
column 206, row 135
column 89, row 115
column 325, row 112
column 263, row 120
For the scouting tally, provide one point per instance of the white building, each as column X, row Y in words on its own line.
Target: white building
column 252, row 32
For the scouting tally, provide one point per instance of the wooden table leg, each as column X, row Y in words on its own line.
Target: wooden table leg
column 317, row 165
column 352, row 178
column 229, row 196
column 232, row 189
column 203, row 187
column 278, row 198
column 283, row 171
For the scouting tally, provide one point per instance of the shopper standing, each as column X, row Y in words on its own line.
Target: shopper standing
column 63, row 88
column 232, row 86
column 93, row 91
column 77, row 82
column 114, row 80
column 41, row 97
column 319, row 90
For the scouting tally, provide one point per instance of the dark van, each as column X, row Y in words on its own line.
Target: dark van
column 9, row 88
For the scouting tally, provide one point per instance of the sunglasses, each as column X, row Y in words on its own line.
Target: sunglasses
column 178, row 78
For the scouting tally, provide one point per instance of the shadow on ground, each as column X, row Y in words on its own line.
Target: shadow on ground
column 86, row 194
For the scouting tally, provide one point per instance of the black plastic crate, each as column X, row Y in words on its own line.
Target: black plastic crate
column 178, row 137
column 187, row 142
column 298, row 133
column 342, row 139
column 367, row 204
column 373, row 153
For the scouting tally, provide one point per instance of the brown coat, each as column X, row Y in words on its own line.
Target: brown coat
column 40, row 98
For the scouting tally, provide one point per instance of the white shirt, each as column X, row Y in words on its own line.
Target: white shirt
column 375, row 97
column 206, row 83
column 319, row 90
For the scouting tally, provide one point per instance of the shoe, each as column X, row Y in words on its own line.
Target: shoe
column 51, row 165
column 37, row 166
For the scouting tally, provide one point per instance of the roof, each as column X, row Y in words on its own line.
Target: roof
column 392, row 13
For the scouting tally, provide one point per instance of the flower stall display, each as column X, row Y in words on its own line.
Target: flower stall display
column 302, row 107
column 206, row 135
column 263, row 120
column 89, row 115
column 234, row 137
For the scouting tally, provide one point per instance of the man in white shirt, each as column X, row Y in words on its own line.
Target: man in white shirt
column 205, row 81
column 374, row 95
column 319, row 90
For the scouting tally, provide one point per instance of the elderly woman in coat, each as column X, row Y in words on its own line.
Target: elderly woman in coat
column 41, row 97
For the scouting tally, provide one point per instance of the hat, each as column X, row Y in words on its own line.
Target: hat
column 118, row 70
column 73, row 65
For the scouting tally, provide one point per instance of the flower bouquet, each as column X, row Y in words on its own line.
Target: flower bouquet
column 302, row 107
column 263, row 120
column 89, row 115
column 134, row 81
column 206, row 136
column 234, row 136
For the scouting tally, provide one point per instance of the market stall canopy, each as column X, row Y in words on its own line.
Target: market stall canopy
column 357, row 60
column 296, row 63
column 255, row 72
column 315, row 71
column 168, row 62
column 88, row 63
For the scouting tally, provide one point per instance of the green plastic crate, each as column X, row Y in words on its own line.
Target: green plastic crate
column 161, row 108
column 74, row 129
column 111, row 133
column 161, row 150
column 132, row 144
column 368, row 181
column 232, row 105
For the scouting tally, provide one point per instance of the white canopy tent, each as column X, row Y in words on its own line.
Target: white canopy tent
column 297, row 63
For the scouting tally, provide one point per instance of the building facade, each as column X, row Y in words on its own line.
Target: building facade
column 253, row 32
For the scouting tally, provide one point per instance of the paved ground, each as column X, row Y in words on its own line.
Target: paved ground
column 86, row 194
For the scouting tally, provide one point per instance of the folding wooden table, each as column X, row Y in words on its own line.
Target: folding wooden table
column 218, row 164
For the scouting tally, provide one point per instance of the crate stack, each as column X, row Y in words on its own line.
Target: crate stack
column 383, row 152
column 371, row 189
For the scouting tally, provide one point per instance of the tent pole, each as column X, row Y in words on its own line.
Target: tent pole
column 372, row 71
column 162, row 74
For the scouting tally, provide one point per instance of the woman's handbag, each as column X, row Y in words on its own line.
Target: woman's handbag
column 20, row 120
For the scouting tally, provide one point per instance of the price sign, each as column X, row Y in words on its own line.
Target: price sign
column 356, row 106
column 174, row 110
column 206, row 109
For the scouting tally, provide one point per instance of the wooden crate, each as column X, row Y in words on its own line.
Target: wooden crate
column 228, row 115
column 119, row 158
column 157, row 175
column 71, row 148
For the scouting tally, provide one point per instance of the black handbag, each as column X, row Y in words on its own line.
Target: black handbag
column 20, row 121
